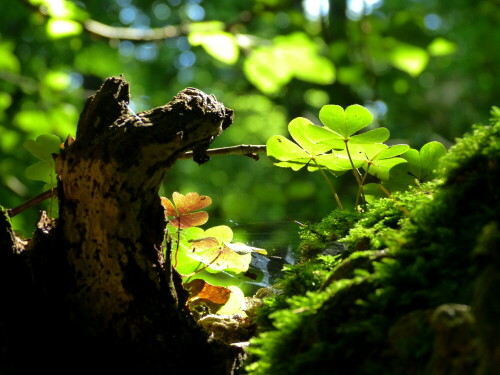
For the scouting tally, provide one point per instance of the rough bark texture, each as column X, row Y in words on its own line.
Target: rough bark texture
column 96, row 288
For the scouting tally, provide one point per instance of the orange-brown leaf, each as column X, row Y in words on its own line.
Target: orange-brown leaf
column 193, row 219
column 169, row 207
column 190, row 202
column 200, row 289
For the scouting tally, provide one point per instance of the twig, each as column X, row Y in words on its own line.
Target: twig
column 246, row 150
column 33, row 202
column 130, row 33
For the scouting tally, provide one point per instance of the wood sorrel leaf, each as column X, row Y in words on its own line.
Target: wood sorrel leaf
column 298, row 129
column 180, row 213
column 326, row 136
column 430, row 153
column 421, row 165
column 347, row 122
column 190, row 202
column 44, row 146
column 283, row 149
column 378, row 135
column 382, row 158
column 381, row 168
column 292, row 155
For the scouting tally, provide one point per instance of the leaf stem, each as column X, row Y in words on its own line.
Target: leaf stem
column 332, row 188
column 357, row 175
column 204, row 267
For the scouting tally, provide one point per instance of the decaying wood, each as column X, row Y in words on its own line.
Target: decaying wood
column 101, row 264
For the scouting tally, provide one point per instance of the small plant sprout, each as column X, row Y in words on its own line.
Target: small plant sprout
column 198, row 250
column 337, row 147
column 43, row 148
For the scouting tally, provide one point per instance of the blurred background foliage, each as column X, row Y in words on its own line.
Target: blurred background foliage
column 426, row 69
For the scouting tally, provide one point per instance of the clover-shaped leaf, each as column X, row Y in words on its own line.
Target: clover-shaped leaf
column 345, row 123
column 202, row 292
column 300, row 154
column 378, row 158
column 180, row 213
column 421, row 165
column 43, row 148
column 213, row 248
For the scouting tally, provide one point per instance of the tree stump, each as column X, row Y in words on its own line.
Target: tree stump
column 99, row 292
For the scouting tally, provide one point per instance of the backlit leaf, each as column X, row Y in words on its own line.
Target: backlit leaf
column 381, row 168
column 393, row 151
column 298, row 130
column 190, row 202
column 378, row 135
column 179, row 213
column 189, row 220
column 219, row 44
column 441, row 47
column 203, row 293
column 199, row 288
column 60, row 28
column 41, row 171
column 282, row 148
column 408, row 58
column 44, row 146
column 347, row 122
column 235, row 304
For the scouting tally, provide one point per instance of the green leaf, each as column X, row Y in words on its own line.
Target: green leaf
column 347, row 122
column 291, row 155
column 235, row 304
column 61, row 28
column 298, row 129
column 338, row 163
column 393, row 151
column 381, row 168
column 430, row 153
column 378, row 135
column 222, row 233
column 326, row 136
column 333, row 117
column 408, row 58
column 219, row 44
column 260, row 69
column 381, row 158
column 412, row 156
column 57, row 80
column 270, row 67
column 41, row 171
column 44, row 146
column 357, row 118
column 8, row 59
column 441, row 47
column 283, row 149
column 422, row 164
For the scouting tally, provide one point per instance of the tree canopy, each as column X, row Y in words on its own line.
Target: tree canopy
column 426, row 70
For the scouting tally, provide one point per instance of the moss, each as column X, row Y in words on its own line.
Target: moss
column 318, row 238
column 297, row 280
column 443, row 253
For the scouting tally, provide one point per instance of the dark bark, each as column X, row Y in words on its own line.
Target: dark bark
column 94, row 285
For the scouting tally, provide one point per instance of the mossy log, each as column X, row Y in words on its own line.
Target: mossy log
column 99, row 292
